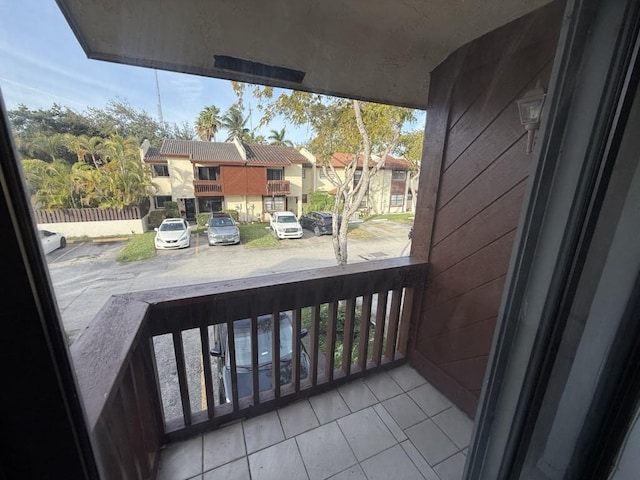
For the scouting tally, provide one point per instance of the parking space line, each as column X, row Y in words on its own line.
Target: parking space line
column 65, row 253
column 197, row 243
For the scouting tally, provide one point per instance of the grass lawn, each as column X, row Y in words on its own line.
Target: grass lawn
column 139, row 247
column 257, row 235
column 358, row 233
column 393, row 217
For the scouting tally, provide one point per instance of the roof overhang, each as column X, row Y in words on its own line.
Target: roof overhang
column 376, row 50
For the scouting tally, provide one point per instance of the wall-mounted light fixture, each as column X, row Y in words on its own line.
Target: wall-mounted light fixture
column 530, row 107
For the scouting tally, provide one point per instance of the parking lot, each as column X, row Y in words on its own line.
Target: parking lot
column 85, row 274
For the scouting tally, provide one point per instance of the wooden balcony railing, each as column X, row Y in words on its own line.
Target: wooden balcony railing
column 207, row 187
column 361, row 313
column 278, row 187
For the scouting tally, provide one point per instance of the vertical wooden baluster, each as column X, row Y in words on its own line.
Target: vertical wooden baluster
column 295, row 351
column 255, row 373
column 347, row 338
column 381, row 315
column 206, row 365
column 331, row 339
column 315, row 334
column 392, row 331
column 275, row 353
column 231, row 340
column 405, row 320
column 182, row 377
column 365, row 323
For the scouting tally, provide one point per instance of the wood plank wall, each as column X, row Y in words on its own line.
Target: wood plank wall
column 474, row 179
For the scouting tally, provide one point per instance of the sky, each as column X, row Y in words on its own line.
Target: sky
column 42, row 63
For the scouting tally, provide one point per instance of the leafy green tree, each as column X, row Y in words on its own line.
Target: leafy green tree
column 278, row 137
column 182, row 132
column 208, row 123
column 368, row 131
column 236, row 124
column 125, row 180
column 47, row 147
column 410, row 147
column 320, row 202
column 118, row 117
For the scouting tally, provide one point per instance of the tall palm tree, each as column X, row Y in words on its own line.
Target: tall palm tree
column 278, row 138
column 235, row 124
column 208, row 123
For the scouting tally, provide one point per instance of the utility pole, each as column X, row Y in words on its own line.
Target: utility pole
column 159, row 102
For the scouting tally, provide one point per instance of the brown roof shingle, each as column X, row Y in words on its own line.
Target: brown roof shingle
column 201, row 151
column 197, row 151
column 274, row 155
column 341, row 160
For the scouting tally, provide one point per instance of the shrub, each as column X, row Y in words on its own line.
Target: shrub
column 155, row 218
column 171, row 210
column 320, row 202
column 202, row 218
column 234, row 214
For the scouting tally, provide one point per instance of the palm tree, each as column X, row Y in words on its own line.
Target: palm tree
column 235, row 124
column 208, row 123
column 278, row 138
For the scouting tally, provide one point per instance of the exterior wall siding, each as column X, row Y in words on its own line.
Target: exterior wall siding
column 473, row 183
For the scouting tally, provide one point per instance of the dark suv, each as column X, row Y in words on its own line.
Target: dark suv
column 320, row 223
column 242, row 329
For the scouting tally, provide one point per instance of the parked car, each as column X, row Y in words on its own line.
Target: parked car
column 320, row 223
column 242, row 337
column 51, row 240
column 173, row 233
column 222, row 230
column 285, row 225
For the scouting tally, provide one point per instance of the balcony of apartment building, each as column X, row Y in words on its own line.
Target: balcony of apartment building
column 385, row 365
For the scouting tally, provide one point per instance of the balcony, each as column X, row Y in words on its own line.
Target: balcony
column 205, row 188
column 368, row 316
column 278, row 187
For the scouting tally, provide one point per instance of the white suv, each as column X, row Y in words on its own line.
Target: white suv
column 285, row 225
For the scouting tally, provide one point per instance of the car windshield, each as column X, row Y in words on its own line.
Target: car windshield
column 243, row 342
column 173, row 226
column 221, row 222
column 287, row 219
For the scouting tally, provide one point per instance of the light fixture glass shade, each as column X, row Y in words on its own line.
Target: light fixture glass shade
column 530, row 106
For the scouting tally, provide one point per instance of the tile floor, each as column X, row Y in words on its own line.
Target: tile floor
column 392, row 425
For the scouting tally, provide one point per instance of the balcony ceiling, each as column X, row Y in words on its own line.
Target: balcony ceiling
column 368, row 49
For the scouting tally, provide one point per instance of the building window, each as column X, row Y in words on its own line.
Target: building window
column 160, row 170
column 210, row 204
column 161, row 199
column 275, row 174
column 396, row 201
column 357, row 175
column 304, row 172
column 208, row 173
column 330, row 173
column 398, row 175
column 304, row 197
column 273, row 204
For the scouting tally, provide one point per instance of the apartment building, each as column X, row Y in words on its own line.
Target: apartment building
column 388, row 190
column 201, row 177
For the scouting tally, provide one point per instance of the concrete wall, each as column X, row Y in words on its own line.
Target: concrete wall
column 162, row 185
column 97, row 229
column 249, row 206
column 181, row 172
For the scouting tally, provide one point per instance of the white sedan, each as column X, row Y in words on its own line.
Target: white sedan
column 51, row 240
column 173, row 233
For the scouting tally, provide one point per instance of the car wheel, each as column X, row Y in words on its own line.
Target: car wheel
column 63, row 242
column 316, row 231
